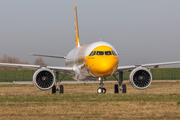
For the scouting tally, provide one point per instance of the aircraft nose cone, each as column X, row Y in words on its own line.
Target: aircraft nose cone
column 103, row 66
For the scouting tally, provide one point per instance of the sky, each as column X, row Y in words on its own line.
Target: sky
column 143, row 31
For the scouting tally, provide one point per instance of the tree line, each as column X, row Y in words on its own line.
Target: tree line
column 9, row 59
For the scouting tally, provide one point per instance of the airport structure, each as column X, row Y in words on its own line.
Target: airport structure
column 92, row 62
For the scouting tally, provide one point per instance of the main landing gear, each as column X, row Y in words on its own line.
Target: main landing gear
column 101, row 90
column 61, row 89
column 58, row 87
column 117, row 87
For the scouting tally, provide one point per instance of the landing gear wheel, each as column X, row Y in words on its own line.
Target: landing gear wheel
column 103, row 90
column 54, row 89
column 123, row 88
column 61, row 89
column 116, row 89
column 99, row 90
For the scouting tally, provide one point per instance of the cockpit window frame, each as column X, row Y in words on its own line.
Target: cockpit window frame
column 114, row 53
column 103, row 53
column 91, row 53
column 94, row 53
column 97, row 53
column 106, row 53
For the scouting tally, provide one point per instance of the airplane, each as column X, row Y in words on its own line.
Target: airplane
column 92, row 62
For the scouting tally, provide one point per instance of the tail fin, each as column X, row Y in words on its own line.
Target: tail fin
column 76, row 27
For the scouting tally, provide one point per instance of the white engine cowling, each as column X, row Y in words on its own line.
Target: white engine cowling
column 140, row 78
column 43, row 79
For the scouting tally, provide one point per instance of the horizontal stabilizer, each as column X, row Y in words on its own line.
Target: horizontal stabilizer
column 52, row 56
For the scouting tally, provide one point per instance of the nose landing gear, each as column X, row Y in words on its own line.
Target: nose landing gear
column 101, row 90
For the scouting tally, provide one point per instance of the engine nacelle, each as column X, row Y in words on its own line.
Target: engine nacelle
column 140, row 78
column 43, row 79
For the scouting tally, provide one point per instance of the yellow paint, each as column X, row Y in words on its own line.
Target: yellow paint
column 76, row 27
column 102, row 65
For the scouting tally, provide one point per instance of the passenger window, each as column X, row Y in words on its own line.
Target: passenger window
column 100, row 53
column 114, row 53
column 107, row 52
column 91, row 53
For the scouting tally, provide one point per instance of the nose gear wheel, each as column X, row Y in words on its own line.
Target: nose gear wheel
column 101, row 90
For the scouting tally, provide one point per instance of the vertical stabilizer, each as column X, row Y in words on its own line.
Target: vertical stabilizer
column 76, row 27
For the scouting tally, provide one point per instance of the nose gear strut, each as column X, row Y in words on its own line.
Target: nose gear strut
column 101, row 90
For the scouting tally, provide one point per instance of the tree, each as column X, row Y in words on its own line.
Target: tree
column 8, row 59
column 39, row 61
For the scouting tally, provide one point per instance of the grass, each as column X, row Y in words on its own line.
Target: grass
column 22, row 75
column 158, row 74
column 80, row 101
column 26, row 75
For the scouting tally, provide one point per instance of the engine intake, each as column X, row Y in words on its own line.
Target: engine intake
column 43, row 79
column 140, row 78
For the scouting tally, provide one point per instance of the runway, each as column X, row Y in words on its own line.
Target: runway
column 82, row 82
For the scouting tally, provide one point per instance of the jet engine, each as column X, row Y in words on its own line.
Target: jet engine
column 43, row 79
column 140, row 78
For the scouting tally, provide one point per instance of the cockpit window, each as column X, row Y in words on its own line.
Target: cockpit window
column 94, row 52
column 91, row 53
column 107, row 52
column 114, row 53
column 100, row 53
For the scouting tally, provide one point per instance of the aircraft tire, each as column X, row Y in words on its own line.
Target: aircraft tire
column 103, row 90
column 116, row 90
column 124, row 88
column 61, row 89
column 99, row 90
column 54, row 89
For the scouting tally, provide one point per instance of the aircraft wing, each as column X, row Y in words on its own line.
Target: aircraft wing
column 68, row 70
column 155, row 65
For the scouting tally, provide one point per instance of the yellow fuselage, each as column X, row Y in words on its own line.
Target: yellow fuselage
column 99, row 59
